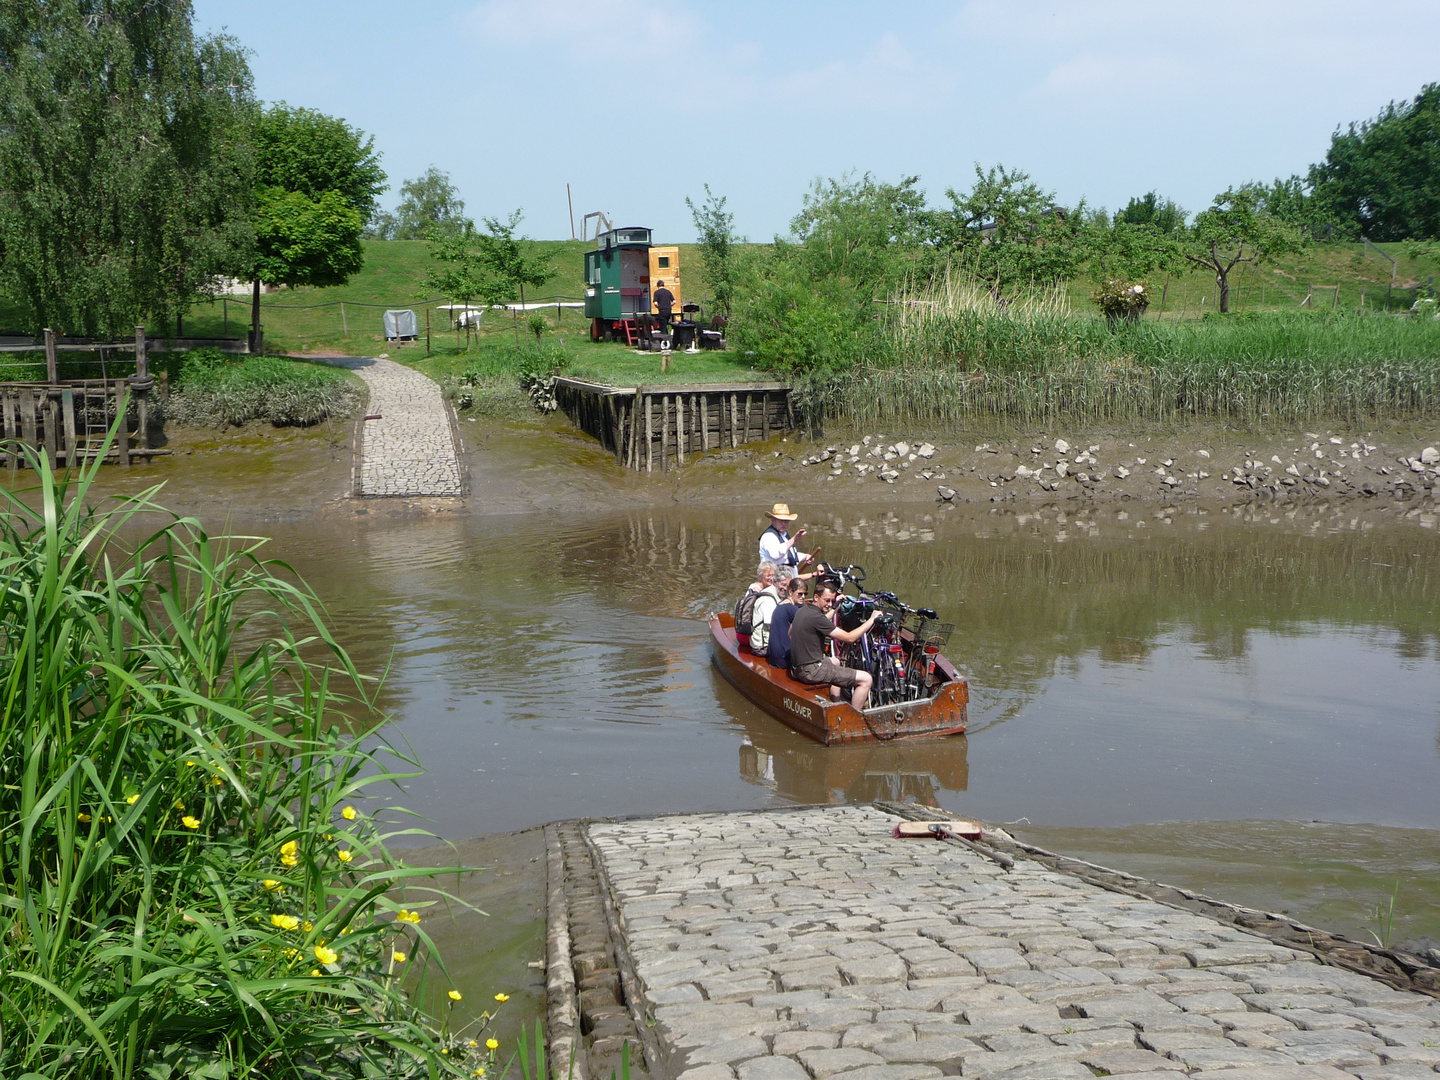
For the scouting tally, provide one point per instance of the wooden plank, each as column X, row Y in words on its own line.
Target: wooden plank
column 679, row 429
column 704, row 422
column 734, row 422
column 50, row 415
column 27, row 417
column 712, row 388
column 72, row 441
column 52, row 367
column 122, row 442
column 765, row 416
column 790, row 410
column 746, row 437
column 7, row 404
column 649, row 438
column 665, row 433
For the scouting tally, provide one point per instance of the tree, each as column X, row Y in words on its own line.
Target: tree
column 430, row 201
column 316, row 180
column 1236, row 223
column 1163, row 215
column 492, row 266
column 1007, row 230
column 864, row 234
column 715, row 231
column 513, row 262
column 125, row 174
column 1381, row 177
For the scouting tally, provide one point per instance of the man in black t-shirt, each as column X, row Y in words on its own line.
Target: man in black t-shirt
column 808, row 662
column 664, row 302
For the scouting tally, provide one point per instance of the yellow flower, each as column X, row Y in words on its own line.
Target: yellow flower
column 348, row 813
column 492, row 1044
column 398, row 956
column 344, row 855
column 189, row 764
column 315, row 972
column 473, row 1044
column 83, row 818
column 479, row 1072
column 408, row 916
column 455, row 995
column 326, row 956
column 290, row 952
column 285, row 922
column 179, row 805
column 289, row 853
column 271, row 884
column 307, row 926
column 131, row 800
column 217, row 781
column 502, row 998
column 190, row 822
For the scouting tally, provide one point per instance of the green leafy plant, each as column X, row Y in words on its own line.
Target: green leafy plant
column 1384, row 920
column 186, row 883
column 538, row 325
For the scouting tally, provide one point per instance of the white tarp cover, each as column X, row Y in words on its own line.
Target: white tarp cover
column 401, row 324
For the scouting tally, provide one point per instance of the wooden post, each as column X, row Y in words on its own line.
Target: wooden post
column 734, row 419
column 765, row 416
column 49, row 413
column 427, row 330
column 665, row 433
column 7, row 408
column 27, row 417
column 649, row 439
column 52, row 366
column 72, row 441
column 122, row 442
column 679, row 429
column 142, row 389
column 344, row 326
column 704, row 422
column 635, row 431
column 790, row 410
column 746, row 437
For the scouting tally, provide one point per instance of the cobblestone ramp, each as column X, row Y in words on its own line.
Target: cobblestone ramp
column 805, row 945
column 410, row 450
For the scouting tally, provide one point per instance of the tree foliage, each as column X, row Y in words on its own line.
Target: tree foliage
column 125, row 172
column 428, row 202
column 1236, row 229
column 1008, row 231
column 1381, row 177
column 316, row 183
column 715, row 232
column 1163, row 215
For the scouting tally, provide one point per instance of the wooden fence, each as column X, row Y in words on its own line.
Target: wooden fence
column 646, row 427
column 68, row 420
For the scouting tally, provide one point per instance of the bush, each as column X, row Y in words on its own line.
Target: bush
column 213, row 391
column 189, row 890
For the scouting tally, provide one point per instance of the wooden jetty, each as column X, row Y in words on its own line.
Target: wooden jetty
column 69, row 420
column 649, row 427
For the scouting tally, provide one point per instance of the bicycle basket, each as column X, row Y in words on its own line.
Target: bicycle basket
column 937, row 637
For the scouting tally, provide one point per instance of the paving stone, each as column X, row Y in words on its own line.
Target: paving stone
column 771, row 1068
column 894, row 1072
column 1410, row 1055
column 992, row 1063
column 410, row 450
column 868, row 1035
column 1165, row 1042
column 792, row 1042
column 1395, row 1072
column 1290, row 1071
column 878, row 969
column 1113, row 1038
column 1236, row 1057
column 936, row 1050
column 1047, row 1070
column 823, row 1063
column 708, row 1072
column 1131, row 1061
column 1135, row 1003
column 728, row 1052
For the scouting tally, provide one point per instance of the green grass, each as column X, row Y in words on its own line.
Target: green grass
column 213, row 390
column 187, row 889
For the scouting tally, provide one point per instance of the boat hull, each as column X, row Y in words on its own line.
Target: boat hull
column 810, row 711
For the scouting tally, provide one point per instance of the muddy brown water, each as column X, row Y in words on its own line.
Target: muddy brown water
column 1240, row 699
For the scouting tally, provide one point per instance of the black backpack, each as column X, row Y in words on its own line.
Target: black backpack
column 745, row 612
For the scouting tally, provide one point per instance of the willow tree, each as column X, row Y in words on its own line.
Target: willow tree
column 125, row 169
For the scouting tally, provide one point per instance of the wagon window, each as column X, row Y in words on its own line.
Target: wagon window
column 663, row 261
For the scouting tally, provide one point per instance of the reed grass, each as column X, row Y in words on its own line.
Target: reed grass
column 214, row 391
column 186, row 886
column 954, row 359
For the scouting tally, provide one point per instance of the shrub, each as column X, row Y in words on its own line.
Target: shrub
column 187, row 887
column 213, row 392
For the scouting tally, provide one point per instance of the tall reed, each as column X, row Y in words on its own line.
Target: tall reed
column 187, row 888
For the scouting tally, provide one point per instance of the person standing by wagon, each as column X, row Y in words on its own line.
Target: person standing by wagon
column 664, row 304
column 776, row 543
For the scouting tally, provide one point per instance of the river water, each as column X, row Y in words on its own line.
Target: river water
column 1240, row 700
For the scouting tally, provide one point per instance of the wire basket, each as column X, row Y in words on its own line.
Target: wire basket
column 935, row 637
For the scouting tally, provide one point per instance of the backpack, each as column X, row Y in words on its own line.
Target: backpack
column 745, row 612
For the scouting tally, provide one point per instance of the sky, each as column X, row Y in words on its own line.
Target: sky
column 637, row 104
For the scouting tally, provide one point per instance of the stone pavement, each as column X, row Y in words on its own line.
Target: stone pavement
column 809, row 944
column 411, row 449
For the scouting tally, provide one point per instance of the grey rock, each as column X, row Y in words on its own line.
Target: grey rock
column 1131, row 1061
column 772, row 1068
column 728, row 1051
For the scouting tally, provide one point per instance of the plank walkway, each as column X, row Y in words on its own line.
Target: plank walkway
column 410, row 450
column 809, row 944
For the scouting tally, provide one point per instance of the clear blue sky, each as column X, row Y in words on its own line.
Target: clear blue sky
column 638, row 103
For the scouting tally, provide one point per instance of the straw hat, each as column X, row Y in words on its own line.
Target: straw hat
column 781, row 512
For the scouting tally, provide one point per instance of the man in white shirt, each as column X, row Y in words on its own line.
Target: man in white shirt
column 776, row 543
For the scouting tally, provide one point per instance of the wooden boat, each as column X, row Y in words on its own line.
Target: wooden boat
column 810, row 711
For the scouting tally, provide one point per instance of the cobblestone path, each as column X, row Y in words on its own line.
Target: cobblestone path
column 411, row 449
column 808, row 945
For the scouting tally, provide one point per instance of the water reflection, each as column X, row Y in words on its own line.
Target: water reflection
column 1126, row 666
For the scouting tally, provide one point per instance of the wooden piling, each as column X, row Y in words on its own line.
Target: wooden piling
column 142, row 390
column 679, row 429
column 27, row 416
column 7, row 410
column 665, row 433
column 72, row 441
column 765, row 416
column 122, row 443
column 649, row 439
column 734, row 435
column 52, row 364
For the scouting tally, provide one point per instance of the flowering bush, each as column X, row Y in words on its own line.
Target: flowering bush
column 1122, row 300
